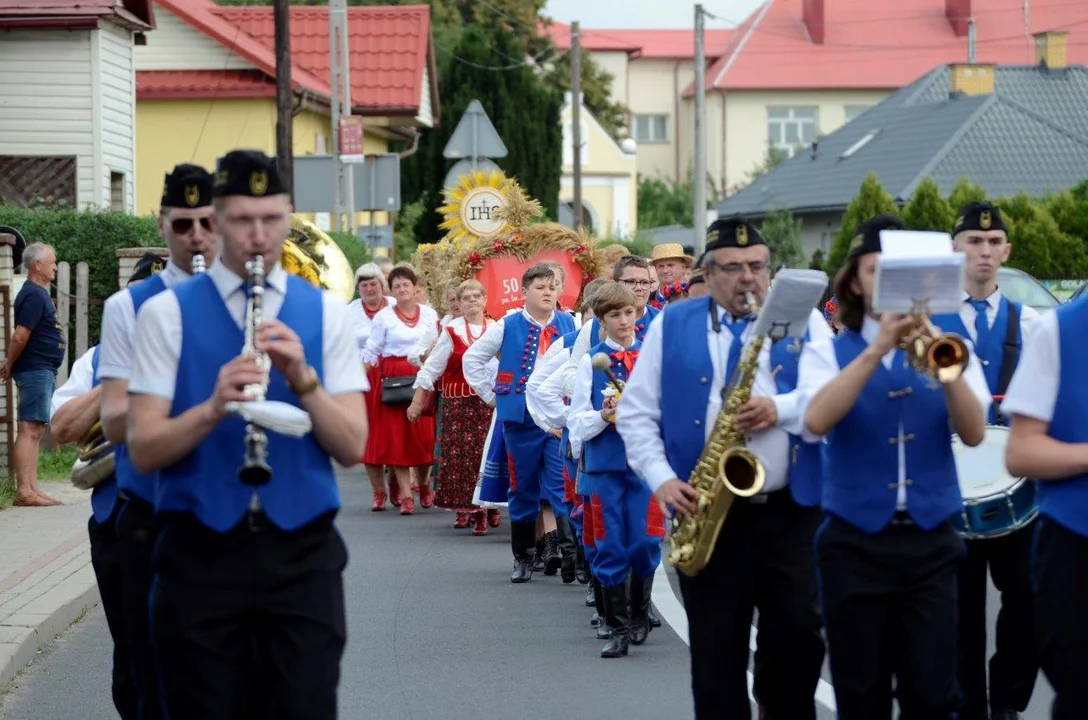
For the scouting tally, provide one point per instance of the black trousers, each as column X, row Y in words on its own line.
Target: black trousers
column 763, row 559
column 1015, row 665
column 890, row 610
column 1060, row 569
column 249, row 623
column 136, row 529
column 106, row 561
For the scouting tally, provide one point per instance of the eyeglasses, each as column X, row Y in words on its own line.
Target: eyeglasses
column 184, row 225
column 644, row 284
column 734, row 269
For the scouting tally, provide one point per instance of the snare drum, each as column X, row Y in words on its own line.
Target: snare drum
column 994, row 502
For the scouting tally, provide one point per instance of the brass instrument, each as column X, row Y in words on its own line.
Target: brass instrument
column 940, row 356
column 312, row 255
column 255, row 469
column 726, row 470
column 95, row 458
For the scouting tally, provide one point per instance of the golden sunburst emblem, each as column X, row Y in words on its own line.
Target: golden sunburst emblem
column 471, row 205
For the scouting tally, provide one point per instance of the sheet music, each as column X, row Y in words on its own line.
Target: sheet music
column 918, row 269
column 790, row 302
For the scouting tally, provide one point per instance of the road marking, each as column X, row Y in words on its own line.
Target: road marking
column 671, row 611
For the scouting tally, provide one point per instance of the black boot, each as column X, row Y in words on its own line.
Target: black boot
column 552, row 560
column 617, row 620
column 538, row 555
column 568, row 548
column 522, row 537
column 581, row 567
column 655, row 621
column 641, row 591
column 603, row 633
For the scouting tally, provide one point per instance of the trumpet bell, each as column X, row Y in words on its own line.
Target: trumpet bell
column 943, row 358
column 315, row 257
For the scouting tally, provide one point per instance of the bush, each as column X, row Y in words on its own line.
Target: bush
column 871, row 200
column 1039, row 247
column 783, row 234
column 927, row 210
column 92, row 237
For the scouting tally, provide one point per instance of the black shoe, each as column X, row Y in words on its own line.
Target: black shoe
column 617, row 619
column 538, row 555
column 552, row 559
column 581, row 567
column 595, row 621
column 522, row 537
column 655, row 621
column 1004, row 715
column 641, row 591
column 568, row 548
column 591, row 597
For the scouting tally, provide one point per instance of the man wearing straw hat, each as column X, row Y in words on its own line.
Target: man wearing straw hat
column 671, row 263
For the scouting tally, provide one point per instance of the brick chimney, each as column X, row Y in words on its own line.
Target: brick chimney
column 957, row 12
column 972, row 78
column 1050, row 49
column 813, row 16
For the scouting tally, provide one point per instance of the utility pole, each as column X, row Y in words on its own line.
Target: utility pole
column 344, row 195
column 576, row 118
column 698, row 217
column 971, row 40
column 285, row 99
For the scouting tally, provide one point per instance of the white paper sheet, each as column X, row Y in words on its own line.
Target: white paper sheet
column 918, row 271
column 914, row 244
column 790, row 302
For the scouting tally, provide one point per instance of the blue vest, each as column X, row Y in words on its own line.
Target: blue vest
column 642, row 325
column 992, row 353
column 605, row 452
column 128, row 478
column 205, row 483
column 517, row 358
column 104, row 494
column 806, row 459
column 862, row 452
column 1066, row 501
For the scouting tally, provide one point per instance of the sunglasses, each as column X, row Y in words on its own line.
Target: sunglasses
column 184, row 225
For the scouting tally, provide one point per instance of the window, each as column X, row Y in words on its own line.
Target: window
column 649, row 128
column 117, row 192
column 791, row 129
column 852, row 111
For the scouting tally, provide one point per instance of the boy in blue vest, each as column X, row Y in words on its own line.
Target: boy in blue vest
column 634, row 273
column 996, row 325
column 536, row 468
column 1047, row 402
column 887, row 553
column 246, row 572
column 187, row 226
column 763, row 556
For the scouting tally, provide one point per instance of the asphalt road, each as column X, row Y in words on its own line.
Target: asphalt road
column 436, row 630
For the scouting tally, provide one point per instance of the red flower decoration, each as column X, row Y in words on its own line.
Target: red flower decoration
column 474, row 259
column 579, row 250
column 589, row 278
column 498, row 246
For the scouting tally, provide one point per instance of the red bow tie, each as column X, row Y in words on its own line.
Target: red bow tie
column 546, row 336
column 627, row 357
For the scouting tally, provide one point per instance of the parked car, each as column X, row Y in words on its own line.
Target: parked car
column 1078, row 292
column 1020, row 287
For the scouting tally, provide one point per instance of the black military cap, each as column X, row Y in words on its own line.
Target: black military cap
column 867, row 237
column 979, row 216
column 696, row 278
column 150, row 264
column 247, row 172
column 734, row 232
column 188, row 186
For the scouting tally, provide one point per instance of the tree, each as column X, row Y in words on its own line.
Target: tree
column 817, row 260
column 1070, row 210
column 783, row 234
column 965, row 192
column 870, row 201
column 662, row 202
column 1039, row 247
column 927, row 210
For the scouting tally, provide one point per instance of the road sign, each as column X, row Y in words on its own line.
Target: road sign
column 464, row 167
column 375, row 236
column 475, row 136
column 351, row 140
column 376, row 182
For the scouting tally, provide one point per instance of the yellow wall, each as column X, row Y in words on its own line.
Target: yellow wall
column 169, row 132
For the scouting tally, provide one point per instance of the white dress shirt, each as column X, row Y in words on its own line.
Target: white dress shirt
column 1033, row 391
column 820, row 365
column 584, row 341
column 80, row 382
column 544, row 399
column 119, row 327
column 638, row 415
column 158, row 335
column 390, row 337
column 475, row 362
column 1028, row 315
column 583, row 421
column 361, row 322
column 440, row 356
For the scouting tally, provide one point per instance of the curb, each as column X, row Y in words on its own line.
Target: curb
column 19, row 652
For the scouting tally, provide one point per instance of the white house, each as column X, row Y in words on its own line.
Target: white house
column 68, row 101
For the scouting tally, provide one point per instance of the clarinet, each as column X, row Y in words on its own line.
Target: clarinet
column 198, row 264
column 255, row 469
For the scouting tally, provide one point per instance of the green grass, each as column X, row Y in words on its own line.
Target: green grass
column 7, row 492
column 53, row 466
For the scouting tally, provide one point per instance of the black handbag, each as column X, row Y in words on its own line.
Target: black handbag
column 398, row 390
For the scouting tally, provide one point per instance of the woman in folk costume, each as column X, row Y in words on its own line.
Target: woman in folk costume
column 463, row 415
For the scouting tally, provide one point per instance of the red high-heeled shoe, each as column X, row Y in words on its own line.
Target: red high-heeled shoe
column 494, row 518
column 407, row 505
column 462, row 520
column 426, row 496
column 481, row 524
column 379, row 502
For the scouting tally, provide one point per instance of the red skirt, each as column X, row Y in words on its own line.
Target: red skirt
column 394, row 441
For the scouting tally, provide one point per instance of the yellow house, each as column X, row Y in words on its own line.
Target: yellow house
column 205, row 84
column 609, row 178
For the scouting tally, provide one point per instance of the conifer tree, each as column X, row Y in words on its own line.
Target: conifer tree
column 965, row 192
column 783, row 234
column 927, row 210
column 871, row 200
column 1070, row 211
column 1039, row 247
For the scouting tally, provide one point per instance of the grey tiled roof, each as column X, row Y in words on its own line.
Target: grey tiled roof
column 1031, row 135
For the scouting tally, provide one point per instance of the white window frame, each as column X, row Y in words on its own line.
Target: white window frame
column 805, row 121
column 650, row 128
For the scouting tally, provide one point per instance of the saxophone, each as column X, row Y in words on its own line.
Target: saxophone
column 726, row 470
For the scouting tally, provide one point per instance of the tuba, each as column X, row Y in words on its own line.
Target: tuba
column 940, row 356
column 726, row 470
column 312, row 255
column 94, row 458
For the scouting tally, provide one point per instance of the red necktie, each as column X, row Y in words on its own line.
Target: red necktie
column 627, row 357
column 546, row 336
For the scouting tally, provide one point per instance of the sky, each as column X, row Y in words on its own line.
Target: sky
column 632, row 14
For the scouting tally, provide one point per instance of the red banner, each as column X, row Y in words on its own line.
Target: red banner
column 501, row 277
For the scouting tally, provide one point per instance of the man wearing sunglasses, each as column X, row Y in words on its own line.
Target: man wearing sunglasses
column 187, row 225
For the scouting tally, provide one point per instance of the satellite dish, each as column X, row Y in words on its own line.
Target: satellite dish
column 17, row 249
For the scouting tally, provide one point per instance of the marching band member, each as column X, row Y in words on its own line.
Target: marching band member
column 248, row 600
column 671, row 265
column 764, row 552
column 187, row 225
column 1048, row 441
column 518, row 340
column 887, row 553
column 996, row 325
column 628, row 538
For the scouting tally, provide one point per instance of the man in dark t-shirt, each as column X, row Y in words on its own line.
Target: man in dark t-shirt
column 35, row 351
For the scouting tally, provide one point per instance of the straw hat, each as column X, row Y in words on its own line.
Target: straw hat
column 671, row 251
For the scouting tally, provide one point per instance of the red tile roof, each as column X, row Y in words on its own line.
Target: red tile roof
column 872, row 45
column 176, row 85
column 662, row 44
column 44, row 13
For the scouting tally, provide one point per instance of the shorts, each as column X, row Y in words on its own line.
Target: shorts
column 35, row 394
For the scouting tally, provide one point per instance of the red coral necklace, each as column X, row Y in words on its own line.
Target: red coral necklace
column 371, row 313
column 409, row 322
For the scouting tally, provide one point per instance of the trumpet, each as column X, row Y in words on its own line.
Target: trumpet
column 255, row 470
column 938, row 355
